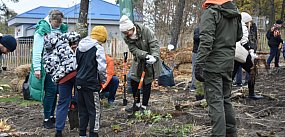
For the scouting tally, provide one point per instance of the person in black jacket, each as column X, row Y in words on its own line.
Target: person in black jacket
column 91, row 71
column 196, row 40
column 275, row 43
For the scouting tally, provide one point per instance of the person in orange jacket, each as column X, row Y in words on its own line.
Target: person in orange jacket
column 110, row 87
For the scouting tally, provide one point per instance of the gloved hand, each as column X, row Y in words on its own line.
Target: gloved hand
column 150, row 59
column 199, row 73
column 253, row 55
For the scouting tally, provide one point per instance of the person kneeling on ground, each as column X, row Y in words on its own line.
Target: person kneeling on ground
column 110, row 87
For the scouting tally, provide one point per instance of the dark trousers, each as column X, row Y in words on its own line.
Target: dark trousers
column 110, row 90
column 247, row 67
column 218, row 88
column 146, row 92
column 274, row 53
column 89, row 111
column 50, row 97
column 65, row 95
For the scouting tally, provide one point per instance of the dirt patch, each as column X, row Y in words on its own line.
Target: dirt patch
column 261, row 117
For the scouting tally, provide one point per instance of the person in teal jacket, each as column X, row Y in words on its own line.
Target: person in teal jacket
column 41, row 86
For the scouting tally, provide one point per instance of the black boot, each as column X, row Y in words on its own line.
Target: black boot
column 48, row 124
column 93, row 134
column 231, row 135
column 52, row 119
column 58, row 134
column 133, row 109
column 254, row 96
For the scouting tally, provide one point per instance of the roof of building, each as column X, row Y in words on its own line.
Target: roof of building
column 99, row 10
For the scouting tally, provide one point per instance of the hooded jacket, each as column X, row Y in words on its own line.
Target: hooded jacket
column 220, row 29
column 59, row 58
column 110, row 70
column 91, row 61
column 145, row 44
column 43, row 28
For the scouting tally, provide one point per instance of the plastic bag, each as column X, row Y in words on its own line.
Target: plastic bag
column 166, row 77
column 240, row 53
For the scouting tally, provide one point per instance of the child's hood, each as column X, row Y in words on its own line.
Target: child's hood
column 86, row 44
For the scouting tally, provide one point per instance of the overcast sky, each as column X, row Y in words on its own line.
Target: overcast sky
column 26, row 5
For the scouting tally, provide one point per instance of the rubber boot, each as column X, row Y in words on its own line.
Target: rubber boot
column 231, row 135
column 253, row 96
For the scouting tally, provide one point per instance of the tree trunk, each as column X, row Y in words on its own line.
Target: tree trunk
column 176, row 23
column 272, row 13
column 82, row 26
column 282, row 10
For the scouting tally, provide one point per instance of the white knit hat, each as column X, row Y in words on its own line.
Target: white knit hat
column 245, row 17
column 125, row 23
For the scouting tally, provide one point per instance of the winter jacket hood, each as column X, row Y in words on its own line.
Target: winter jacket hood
column 227, row 9
column 44, row 27
column 86, row 44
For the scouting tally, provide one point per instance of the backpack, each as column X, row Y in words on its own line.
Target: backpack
column 25, row 88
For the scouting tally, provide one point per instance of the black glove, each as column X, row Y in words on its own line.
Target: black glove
column 199, row 73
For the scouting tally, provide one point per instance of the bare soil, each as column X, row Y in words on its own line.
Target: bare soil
column 254, row 117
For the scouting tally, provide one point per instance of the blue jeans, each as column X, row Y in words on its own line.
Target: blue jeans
column 49, row 101
column 65, row 96
column 110, row 90
column 274, row 53
column 193, row 84
column 239, row 76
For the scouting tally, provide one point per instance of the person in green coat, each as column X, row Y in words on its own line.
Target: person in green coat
column 144, row 46
column 220, row 29
column 41, row 86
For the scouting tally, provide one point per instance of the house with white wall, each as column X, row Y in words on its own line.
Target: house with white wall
column 100, row 13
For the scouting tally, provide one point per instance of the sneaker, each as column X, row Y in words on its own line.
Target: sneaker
column 192, row 90
column 48, row 124
column 237, row 85
column 58, row 134
column 133, row 109
column 245, row 84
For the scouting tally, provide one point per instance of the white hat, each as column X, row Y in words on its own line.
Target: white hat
column 245, row 17
column 125, row 23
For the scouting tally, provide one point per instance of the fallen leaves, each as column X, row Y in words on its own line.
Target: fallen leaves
column 4, row 126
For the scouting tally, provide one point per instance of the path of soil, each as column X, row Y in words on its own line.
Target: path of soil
column 254, row 118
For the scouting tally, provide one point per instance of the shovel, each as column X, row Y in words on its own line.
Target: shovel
column 125, row 101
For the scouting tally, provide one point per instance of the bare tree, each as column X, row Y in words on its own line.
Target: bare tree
column 272, row 13
column 176, row 23
column 282, row 10
column 82, row 26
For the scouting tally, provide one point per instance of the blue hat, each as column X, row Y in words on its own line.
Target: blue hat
column 279, row 22
column 9, row 42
